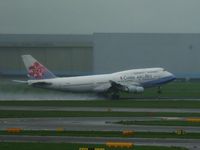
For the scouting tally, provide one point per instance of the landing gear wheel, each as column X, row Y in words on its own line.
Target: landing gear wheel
column 159, row 90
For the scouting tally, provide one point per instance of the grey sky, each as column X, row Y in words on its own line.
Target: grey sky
column 88, row 16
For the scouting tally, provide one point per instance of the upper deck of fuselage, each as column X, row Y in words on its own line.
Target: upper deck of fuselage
column 140, row 71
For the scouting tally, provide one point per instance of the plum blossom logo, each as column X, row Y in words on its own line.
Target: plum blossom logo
column 36, row 70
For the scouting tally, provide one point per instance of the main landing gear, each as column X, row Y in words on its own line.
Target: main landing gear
column 111, row 95
column 115, row 96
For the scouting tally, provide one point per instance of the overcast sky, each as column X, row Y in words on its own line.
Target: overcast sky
column 88, row 16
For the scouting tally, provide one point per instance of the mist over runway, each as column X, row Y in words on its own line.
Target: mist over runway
column 10, row 90
column 48, row 96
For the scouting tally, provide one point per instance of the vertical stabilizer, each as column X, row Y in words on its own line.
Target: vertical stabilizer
column 35, row 69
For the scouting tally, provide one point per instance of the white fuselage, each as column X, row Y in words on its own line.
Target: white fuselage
column 100, row 83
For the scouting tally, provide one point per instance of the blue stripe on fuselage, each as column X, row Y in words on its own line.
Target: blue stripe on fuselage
column 158, row 81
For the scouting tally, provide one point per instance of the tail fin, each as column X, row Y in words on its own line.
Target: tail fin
column 35, row 69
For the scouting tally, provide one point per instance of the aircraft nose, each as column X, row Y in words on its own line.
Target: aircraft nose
column 171, row 76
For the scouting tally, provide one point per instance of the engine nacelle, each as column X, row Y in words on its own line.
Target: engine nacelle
column 134, row 89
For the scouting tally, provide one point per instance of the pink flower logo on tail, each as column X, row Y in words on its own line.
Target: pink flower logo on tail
column 36, row 70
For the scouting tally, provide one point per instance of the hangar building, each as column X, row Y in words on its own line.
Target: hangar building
column 68, row 55
column 62, row 54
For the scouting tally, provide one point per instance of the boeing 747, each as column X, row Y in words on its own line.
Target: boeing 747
column 135, row 80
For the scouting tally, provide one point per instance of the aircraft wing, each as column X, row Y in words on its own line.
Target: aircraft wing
column 103, row 87
column 127, row 87
column 41, row 84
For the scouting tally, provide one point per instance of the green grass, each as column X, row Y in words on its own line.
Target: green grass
column 109, row 103
column 24, row 114
column 176, row 89
column 105, row 134
column 160, row 123
column 64, row 146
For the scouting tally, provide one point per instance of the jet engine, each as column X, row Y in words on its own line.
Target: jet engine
column 134, row 89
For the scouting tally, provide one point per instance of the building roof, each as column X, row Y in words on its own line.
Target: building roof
column 45, row 40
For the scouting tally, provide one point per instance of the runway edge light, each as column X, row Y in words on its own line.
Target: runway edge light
column 14, row 130
column 119, row 144
column 84, row 148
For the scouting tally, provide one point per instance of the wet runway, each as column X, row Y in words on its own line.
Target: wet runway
column 94, row 124
column 87, row 124
column 10, row 90
column 99, row 109
column 192, row 144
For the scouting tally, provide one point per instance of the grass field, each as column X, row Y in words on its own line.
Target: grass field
column 176, row 89
column 64, row 146
column 105, row 134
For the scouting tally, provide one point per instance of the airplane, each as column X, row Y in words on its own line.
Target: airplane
column 135, row 80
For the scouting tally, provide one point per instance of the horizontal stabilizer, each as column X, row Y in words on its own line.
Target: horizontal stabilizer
column 20, row 81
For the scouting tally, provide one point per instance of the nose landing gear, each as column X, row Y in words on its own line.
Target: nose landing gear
column 159, row 90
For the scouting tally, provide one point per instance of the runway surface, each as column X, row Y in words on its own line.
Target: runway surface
column 99, row 109
column 86, row 124
column 192, row 144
